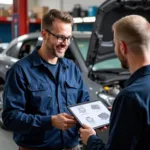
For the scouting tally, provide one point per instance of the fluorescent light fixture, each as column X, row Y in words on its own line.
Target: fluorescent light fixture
column 6, row 2
column 77, row 20
column 89, row 19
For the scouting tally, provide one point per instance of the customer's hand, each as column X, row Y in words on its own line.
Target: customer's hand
column 85, row 132
column 63, row 121
column 103, row 128
column 110, row 108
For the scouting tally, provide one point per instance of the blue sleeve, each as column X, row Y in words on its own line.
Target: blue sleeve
column 14, row 105
column 125, row 126
column 83, row 94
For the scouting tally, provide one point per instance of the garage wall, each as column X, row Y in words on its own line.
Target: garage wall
column 49, row 3
column 4, row 6
column 32, row 3
column 66, row 5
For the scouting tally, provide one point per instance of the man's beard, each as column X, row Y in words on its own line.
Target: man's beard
column 53, row 52
column 123, row 61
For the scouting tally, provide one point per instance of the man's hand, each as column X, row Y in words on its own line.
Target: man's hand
column 110, row 108
column 103, row 128
column 86, row 132
column 63, row 121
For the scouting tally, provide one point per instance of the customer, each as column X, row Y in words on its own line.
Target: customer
column 130, row 118
column 39, row 88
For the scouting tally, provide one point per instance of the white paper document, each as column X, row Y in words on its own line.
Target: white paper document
column 92, row 113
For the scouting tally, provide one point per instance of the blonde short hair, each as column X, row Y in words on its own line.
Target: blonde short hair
column 132, row 29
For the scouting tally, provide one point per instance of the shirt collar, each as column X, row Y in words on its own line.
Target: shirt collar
column 37, row 60
column 145, row 70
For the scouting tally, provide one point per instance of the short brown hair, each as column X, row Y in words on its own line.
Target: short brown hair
column 133, row 29
column 53, row 14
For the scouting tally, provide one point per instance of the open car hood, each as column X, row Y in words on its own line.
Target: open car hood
column 101, row 45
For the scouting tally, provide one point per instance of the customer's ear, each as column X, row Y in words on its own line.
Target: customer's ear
column 123, row 47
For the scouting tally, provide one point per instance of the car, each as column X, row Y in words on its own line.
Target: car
column 3, row 46
column 104, row 67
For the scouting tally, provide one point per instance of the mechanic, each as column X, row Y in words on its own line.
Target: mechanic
column 39, row 88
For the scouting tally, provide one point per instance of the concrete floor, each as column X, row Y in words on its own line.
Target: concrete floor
column 6, row 140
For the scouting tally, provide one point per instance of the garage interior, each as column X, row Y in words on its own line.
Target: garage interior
column 92, row 48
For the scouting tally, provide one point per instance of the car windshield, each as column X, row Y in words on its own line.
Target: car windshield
column 112, row 63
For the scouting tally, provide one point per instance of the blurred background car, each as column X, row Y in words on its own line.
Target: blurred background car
column 3, row 46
